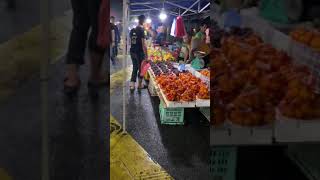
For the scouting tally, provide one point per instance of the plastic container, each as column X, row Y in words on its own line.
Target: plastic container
column 171, row 116
column 223, row 162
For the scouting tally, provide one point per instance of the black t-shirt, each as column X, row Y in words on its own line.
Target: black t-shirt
column 136, row 36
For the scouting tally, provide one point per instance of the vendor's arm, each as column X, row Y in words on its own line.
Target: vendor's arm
column 187, row 55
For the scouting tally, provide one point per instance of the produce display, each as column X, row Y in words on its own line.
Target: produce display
column 205, row 72
column 310, row 38
column 252, row 80
column 168, row 56
column 179, row 88
column 176, row 88
column 183, row 87
column 160, row 68
column 157, row 55
column 154, row 54
column 220, row 34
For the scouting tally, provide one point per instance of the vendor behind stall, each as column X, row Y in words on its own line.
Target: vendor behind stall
column 161, row 36
column 185, row 49
column 199, row 40
column 202, row 32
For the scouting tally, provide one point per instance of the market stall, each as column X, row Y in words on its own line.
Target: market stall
column 177, row 85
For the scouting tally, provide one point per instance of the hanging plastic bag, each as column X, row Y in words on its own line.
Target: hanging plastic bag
column 180, row 30
column 145, row 65
column 173, row 28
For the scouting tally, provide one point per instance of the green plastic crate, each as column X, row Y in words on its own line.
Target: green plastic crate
column 171, row 116
column 223, row 161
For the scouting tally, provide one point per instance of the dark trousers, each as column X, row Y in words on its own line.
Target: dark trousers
column 137, row 59
column 114, row 53
column 115, row 50
column 85, row 17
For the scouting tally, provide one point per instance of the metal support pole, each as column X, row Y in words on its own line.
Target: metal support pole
column 125, row 64
column 179, row 6
column 205, row 7
column 190, row 7
column 45, row 59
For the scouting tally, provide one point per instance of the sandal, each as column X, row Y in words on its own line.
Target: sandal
column 143, row 87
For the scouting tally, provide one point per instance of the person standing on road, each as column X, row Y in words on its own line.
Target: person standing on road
column 118, row 38
column 138, row 52
column 85, row 16
column 115, row 39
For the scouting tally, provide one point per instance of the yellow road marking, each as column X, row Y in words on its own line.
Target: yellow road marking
column 128, row 160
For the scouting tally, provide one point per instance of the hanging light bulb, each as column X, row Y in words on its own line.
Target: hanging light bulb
column 148, row 20
column 163, row 16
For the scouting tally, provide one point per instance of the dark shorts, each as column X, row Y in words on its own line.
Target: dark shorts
column 85, row 18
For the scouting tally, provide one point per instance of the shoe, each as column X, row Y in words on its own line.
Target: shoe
column 132, row 87
column 143, row 86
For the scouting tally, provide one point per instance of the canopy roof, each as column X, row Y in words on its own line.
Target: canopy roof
column 172, row 7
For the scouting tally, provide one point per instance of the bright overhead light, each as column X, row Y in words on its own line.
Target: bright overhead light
column 148, row 20
column 163, row 16
column 136, row 20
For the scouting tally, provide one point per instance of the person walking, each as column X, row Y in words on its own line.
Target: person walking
column 113, row 40
column 115, row 37
column 85, row 17
column 138, row 52
column 118, row 38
